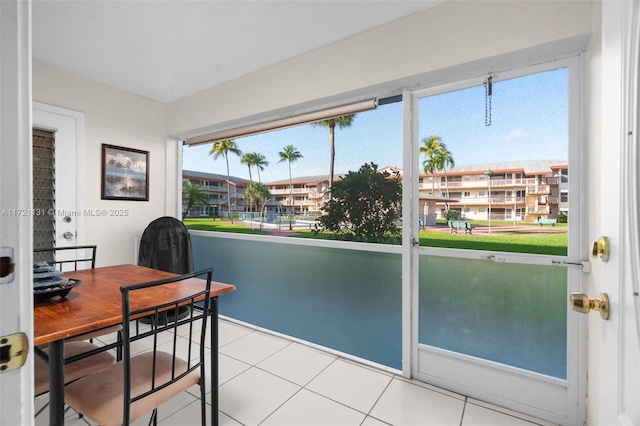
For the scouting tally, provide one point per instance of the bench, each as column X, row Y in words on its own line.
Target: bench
column 551, row 222
column 454, row 225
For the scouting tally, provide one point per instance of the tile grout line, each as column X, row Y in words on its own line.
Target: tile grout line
column 378, row 400
column 464, row 409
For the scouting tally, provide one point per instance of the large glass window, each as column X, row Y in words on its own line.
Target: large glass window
column 291, row 170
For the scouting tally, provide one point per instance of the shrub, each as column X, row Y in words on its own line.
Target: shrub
column 365, row 206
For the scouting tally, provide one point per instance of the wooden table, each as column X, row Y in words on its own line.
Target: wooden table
column 96, row 303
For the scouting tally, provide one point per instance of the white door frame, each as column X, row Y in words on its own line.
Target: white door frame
column 556, row 400
column 16, row 226
column 618, row 386
column 68, row 127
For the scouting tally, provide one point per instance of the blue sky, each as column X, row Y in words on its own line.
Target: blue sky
column 529, row 122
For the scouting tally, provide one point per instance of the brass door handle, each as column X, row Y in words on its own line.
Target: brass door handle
column 582, row 303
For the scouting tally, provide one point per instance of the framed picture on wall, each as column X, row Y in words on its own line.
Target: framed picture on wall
column 125, row 173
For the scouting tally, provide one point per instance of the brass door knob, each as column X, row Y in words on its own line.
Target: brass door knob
column 582, row 303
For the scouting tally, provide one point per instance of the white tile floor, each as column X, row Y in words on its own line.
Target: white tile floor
column 268, row 380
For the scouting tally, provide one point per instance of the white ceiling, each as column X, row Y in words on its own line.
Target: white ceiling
column 166, row 50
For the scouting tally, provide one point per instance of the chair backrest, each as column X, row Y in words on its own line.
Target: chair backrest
column 135, row 303
column 67, row 258
column 166, row 245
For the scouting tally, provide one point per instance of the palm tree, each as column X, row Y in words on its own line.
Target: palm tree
column 429, row 148
column 247, row 159
column 438, row 157
column 223, row 148
column 254, row 159
column 290, row 154
column 256, row 192
column 260, row 162
column 194, row 195
column 341, row 122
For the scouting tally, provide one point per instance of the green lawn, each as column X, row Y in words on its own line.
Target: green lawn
column 537, row 243
column 220, row 225
column 551, row 244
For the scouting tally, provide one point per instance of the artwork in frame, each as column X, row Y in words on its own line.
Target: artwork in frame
column 125, row 173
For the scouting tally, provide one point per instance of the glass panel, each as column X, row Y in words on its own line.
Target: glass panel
column 513, row 314
column 348, row 300
column 295, row 167
column 494, row 162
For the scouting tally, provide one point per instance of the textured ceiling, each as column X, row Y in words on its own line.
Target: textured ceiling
column 166, row 50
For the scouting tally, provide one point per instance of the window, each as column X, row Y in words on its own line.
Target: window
column 298, row 184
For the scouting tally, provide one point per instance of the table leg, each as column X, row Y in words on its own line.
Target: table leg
column 56, row 382
column 214, row 361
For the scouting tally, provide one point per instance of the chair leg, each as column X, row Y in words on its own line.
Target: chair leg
column 154, row 417
column 41, row 410
column 119, row 347
column 203, row 403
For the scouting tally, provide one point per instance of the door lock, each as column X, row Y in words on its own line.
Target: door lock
column 7, row 265
column 582, row 303
column 601, row 249
column 13, row 351
column 67, row 235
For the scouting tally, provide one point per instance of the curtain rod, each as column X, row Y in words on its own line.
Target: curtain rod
column 284, row 123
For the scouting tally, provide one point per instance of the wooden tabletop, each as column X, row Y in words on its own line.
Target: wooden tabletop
column 97, row 302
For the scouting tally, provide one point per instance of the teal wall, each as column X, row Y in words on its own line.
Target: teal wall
column 348, row 300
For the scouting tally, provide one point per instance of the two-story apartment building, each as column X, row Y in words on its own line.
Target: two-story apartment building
column 510, row 191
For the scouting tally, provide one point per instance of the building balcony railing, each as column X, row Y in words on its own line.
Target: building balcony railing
column 214, row 188
column 536, row 210
column 288, row 191
column 538, row 189
column 484, row 201
column 475, row 184
column 549, row 200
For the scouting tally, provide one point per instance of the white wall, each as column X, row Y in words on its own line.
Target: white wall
column 397, row 54
column 118, row 118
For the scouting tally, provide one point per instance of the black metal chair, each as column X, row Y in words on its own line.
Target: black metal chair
column 166, row 245
column 77, row 363
column 70, row 259
column 121, row 393
column 85, row 256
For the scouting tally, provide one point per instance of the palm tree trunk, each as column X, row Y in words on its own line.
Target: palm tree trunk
column 433, row 183
column 228, row 189
column 332, row 152
column 293, row 208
